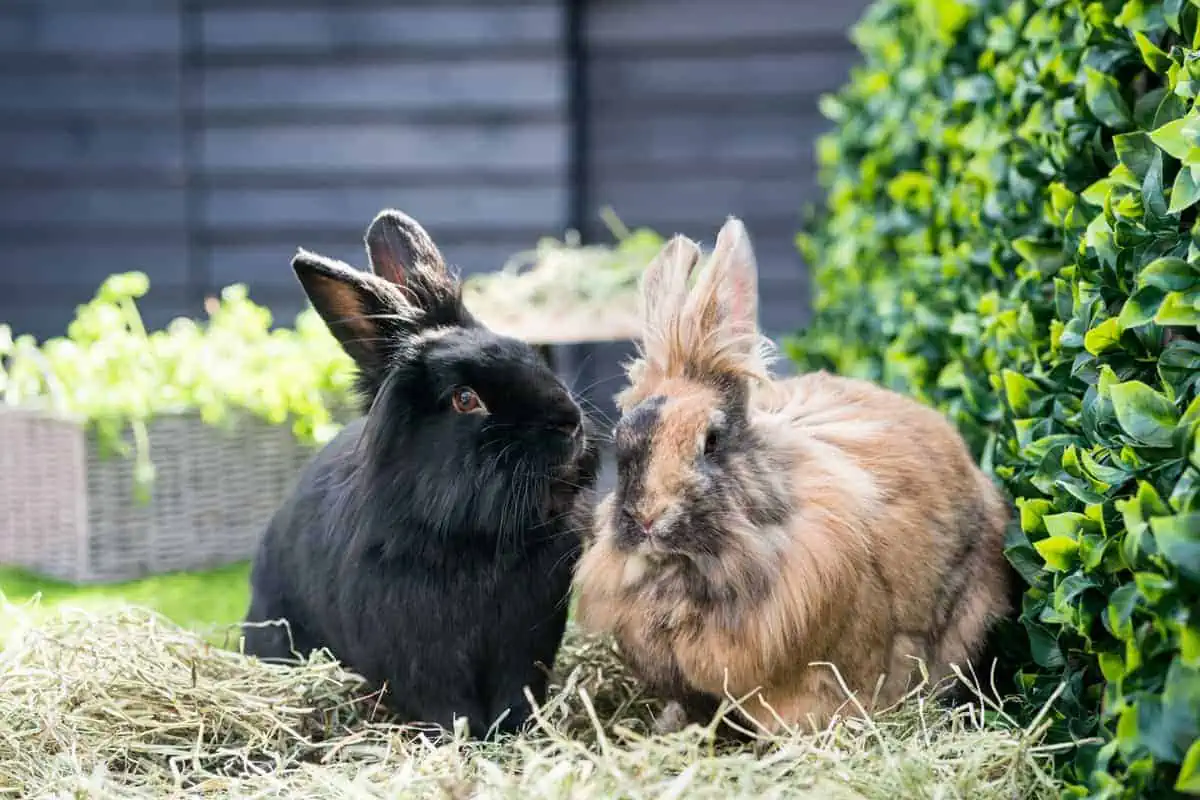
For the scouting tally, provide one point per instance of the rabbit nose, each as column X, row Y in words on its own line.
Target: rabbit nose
column 643, row 521
column 567, row 422
column 569, row 428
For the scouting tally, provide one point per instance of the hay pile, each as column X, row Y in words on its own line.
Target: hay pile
column 127, row 705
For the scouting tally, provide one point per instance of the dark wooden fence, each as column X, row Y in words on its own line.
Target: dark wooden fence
column 703, row 108
column 202, row 141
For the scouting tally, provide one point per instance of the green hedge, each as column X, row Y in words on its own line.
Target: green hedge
column 1010, row 234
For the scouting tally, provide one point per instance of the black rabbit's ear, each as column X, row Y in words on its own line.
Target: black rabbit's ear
column 366, row 314
column 402, row 253
column 398, row 247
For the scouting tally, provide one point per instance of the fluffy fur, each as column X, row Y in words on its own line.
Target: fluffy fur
column 760, row 527
column 430, row 545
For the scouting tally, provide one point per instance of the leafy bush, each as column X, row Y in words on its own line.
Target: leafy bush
column 1010, row 234
column 110, row 372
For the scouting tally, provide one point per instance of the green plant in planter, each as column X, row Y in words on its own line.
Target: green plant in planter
column 1010, row 234
column 114, row 375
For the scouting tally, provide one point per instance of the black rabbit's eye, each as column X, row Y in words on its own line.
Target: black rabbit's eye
column 465, row 401
column 711, row 441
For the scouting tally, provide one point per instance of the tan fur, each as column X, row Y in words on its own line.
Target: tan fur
column 887, row 511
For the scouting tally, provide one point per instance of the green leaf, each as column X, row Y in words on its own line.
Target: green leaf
column 1179, row 723
column 1121, row 605
column 1192, row 415
column 1155, row 59
column 1046, row 257
column 1065, row 525
column 1171, row 139
column 1141, row 307
column 1018, row 390
column 1136, row 151
column 1149, row 500
column 1169, row 274
column 1112, row 666
column 1178, row 538
column 1033, row 510
column 1186, row 189
column 1171, row 14
column 1044, row 647
column 1152, row 188
column 1178, row 308
column 1144, row 414
column 125, row 285
column 1057, row 551
column 1103, row 97
column 1188, row 780
column 1171, row 108
column 1102, row 337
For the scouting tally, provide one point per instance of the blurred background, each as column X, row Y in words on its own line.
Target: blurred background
column 202, row 141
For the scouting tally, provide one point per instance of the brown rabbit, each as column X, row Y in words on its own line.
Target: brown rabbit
column 762, row 526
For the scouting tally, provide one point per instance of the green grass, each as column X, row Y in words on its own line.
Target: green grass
column 193, row 600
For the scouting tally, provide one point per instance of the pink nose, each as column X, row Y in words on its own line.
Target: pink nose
column 643, row 521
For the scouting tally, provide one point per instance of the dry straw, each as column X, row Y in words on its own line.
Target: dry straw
column 125, row 705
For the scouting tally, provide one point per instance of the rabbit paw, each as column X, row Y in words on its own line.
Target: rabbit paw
column 672, row 719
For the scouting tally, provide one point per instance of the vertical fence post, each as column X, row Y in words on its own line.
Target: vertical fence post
column 574, row 42
column 578, row 108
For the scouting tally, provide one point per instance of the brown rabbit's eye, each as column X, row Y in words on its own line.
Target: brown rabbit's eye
column 711, row 441
column 465, row 401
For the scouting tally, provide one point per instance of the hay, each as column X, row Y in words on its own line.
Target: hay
column 124, row 704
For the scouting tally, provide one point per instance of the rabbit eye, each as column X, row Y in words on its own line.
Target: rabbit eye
column 465, row 401
column 711, row 441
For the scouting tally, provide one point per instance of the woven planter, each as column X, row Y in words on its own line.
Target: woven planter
column 68, row 513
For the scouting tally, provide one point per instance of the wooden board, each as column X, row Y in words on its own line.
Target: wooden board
column 703, row 108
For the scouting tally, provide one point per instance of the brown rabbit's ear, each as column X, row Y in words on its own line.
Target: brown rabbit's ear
column 367, row 315
column 665, row 289
column 722, row 309
column 726, row 294
column 733, row 258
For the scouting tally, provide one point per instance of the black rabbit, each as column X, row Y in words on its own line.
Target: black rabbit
column 430, row 545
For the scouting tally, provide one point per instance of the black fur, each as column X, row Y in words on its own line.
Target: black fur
column 427, row 549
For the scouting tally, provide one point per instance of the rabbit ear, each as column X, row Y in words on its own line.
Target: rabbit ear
column 665, row 288
column 734, row 275
column 366, row 314
column 724, row 304
column 402, row 253
column 399, row 247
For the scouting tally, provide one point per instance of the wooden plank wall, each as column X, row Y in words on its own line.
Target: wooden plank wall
column 317, row 114
column 204, row 140
column 702, row 108
column 92, row 157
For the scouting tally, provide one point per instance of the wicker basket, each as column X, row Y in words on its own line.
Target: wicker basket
column 68, row 513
